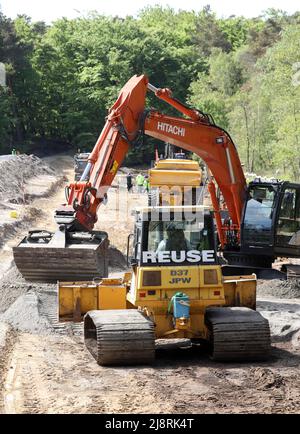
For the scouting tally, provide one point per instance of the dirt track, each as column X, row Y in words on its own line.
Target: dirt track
column 55, row 374
column 49, row 371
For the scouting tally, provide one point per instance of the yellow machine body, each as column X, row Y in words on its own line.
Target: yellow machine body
column 151, row 289
column 172, row 172
column 77, row 298
column 175, row 179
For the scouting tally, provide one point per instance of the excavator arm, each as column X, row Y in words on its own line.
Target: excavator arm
column 121, row 130
column 126, row 121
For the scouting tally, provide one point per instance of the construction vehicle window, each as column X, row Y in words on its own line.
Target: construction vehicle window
column 137, row 244
column 259, row 214
column 177, row 236
column 288, row 227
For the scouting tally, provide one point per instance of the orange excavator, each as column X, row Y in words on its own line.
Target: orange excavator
column 260, row 223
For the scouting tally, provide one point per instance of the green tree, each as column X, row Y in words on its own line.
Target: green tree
column 211, row 93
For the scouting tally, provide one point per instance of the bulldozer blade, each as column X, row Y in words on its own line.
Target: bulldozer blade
column 75, row 299
column 77, row 260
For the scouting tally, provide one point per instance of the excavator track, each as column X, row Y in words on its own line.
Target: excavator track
column 119, row 337
column 237, row 334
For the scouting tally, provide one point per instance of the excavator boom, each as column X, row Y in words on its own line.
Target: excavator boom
column 126, row 121
column 121, row 130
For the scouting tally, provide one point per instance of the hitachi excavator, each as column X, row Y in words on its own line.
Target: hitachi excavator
column 176, row 288
column 262, row 221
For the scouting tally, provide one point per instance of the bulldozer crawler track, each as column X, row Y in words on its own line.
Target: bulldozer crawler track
column 238, row 334
column 119, row 337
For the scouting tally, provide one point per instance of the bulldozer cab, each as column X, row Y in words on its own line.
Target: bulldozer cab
column 173, row 236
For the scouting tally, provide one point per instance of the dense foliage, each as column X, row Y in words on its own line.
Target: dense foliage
column 61, row 79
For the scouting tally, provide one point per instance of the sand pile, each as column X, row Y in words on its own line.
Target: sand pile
column 116, row 259
column 16, row 172
column 22, row 178
column 19, row 302
column 284, row 319
column 26, row 305
column 24, row 315
column 27, row 216
column 13, row 285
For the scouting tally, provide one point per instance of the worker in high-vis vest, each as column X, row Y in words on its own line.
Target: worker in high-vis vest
column 146, row 184
column 139, row 180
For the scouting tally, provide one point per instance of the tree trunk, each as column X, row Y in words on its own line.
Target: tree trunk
column 247, row 137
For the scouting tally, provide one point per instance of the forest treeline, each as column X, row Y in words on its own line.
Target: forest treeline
column 62, row 78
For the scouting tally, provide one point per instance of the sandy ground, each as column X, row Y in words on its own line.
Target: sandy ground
column 55, row 374
column 38, row 209
column 45, row 367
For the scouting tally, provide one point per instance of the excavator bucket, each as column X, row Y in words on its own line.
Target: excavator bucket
column 44, row 256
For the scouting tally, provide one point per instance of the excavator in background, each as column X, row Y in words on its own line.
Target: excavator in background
column 80, row 162
column 261, row 221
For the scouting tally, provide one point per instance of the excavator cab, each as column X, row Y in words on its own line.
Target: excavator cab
column 271, row 220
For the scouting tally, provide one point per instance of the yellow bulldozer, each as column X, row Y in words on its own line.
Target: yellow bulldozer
column 173, row 290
